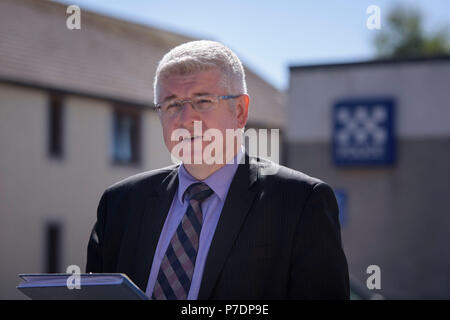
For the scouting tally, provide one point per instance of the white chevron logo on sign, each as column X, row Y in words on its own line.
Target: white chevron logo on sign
column 362, row 127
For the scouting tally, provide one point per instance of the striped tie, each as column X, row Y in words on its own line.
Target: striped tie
column 177, row 266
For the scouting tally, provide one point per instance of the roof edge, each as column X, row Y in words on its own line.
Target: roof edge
column 428, row 59
column 72, row 92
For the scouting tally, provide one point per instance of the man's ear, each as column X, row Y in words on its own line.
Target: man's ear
column 242, row 104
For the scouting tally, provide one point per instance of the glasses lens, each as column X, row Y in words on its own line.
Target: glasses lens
column 200, row 103
column 203, row 103
column 171, row 107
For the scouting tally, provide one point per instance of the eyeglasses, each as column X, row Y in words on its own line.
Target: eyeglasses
column 200, row 103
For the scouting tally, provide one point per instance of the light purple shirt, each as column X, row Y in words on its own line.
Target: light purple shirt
column 219, row 182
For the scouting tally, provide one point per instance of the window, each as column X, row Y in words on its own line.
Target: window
column 126, row 136
column 55, row 126
column 53, row 247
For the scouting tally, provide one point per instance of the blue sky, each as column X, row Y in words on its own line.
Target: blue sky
column 270, row 35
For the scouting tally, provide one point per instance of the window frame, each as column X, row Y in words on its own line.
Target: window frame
column 119, row 110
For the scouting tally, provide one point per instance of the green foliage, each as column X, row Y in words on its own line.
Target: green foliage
column 403, row 35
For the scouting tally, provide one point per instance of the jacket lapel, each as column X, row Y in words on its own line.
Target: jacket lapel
column 152, row 220
column 237, row 204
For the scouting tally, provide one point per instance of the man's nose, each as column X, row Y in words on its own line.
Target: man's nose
column 188, row 114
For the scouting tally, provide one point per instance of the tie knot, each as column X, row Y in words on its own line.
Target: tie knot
column 198, row 191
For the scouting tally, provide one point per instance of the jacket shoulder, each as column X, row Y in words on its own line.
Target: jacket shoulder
column 273, row 173
column 149, row 180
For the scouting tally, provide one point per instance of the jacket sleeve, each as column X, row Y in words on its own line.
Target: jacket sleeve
column 319, row 267
column 95, row 246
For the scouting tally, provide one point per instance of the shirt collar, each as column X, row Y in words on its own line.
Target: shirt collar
column 219, row 181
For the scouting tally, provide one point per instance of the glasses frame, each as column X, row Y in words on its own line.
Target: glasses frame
column 158, row 106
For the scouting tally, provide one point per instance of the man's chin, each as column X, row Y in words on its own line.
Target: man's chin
column 198, row 158
column 194, row 153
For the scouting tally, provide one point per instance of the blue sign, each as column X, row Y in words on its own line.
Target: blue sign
column 363, row 132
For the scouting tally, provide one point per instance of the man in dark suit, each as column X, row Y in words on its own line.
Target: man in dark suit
column 223, row 224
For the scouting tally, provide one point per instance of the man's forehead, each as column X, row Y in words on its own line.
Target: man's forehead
column 181, row 79
column 199, row 83
column 192, row 76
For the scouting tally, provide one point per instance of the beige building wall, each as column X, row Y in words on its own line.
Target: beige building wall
column 107, row 61
column 35, row 189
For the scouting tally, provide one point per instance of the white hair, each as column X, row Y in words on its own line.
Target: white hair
column 202, row 55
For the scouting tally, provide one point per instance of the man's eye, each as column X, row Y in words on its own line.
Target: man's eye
column 173, row 105
column 204, row 102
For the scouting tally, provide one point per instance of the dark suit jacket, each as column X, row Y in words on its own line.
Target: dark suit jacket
column 278, row 236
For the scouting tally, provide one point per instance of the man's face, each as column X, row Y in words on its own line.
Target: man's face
column 221, row 118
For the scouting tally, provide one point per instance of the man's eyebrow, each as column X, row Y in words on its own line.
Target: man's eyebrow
column 173, row 96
